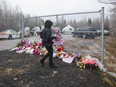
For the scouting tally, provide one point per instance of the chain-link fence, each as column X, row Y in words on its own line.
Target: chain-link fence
column 29, row 26
column 10, row 28
column 72, row 21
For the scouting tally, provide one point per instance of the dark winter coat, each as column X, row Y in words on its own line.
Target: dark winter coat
column 46, row 34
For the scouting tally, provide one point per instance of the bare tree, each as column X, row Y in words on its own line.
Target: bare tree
column 3, row 14
column 106, row 24
column 89, row 22
column 96, row 23
column 113, row 19
column 62, row 22
column 112, row 13
column 108, row 1
column 9, row 16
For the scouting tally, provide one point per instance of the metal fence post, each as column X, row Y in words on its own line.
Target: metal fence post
column 22, row 28
column 56, row 20
column 102, row 27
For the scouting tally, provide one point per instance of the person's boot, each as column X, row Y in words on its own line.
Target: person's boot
column 43, row 59
column 51, row 65
column 42, row 62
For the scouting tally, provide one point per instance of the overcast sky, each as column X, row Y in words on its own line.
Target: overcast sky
column 48, row 7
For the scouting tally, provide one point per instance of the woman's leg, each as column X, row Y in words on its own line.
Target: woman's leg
column 50, row 50
column 44, row 58
column 49, row 54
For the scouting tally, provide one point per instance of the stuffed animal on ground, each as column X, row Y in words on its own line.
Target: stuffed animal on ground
column 90, row 63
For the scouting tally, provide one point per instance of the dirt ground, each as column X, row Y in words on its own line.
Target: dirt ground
column 24, row 70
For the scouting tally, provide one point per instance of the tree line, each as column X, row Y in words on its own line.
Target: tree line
column 10, row 18
column 112, row 13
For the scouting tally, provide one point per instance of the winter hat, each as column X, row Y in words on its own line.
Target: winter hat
column 48, row 24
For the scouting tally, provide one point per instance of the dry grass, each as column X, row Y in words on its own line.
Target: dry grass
column 110, row 45
column 109, row 53
column 16, row 71
column 109, row 80
column 110, row 48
